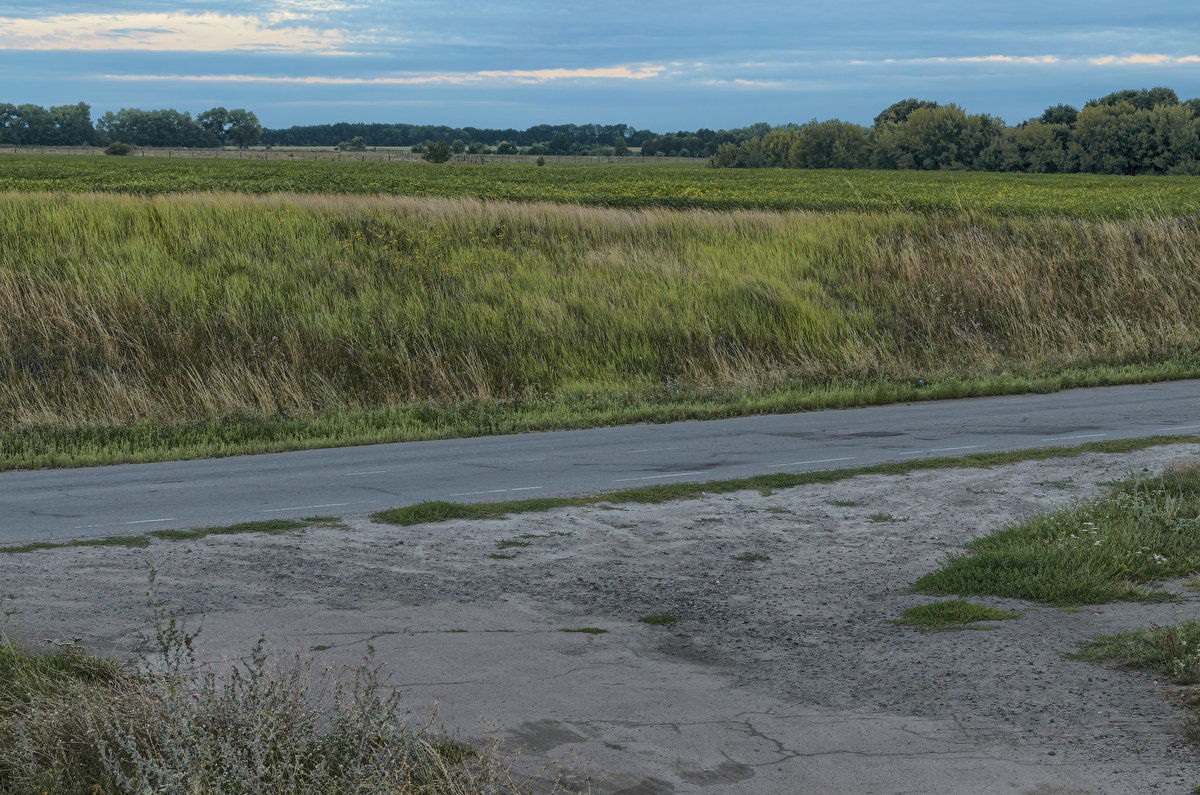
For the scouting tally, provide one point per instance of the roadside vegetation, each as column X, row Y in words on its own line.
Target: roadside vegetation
column 630, row 186
column 952, row 614
column 1101, row 550
column 137, row 329
column 71, row 722
column 1171, row 651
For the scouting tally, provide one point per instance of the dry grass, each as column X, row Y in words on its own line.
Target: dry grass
column 178, row 309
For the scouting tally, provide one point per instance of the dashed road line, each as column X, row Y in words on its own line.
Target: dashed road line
column 149, row 521
column 368, row 472
column 1080, row 436
column 658, row 477
column 493, row 491
column 941, row 449
column 322, row 505
column 814, row 461
column 1177, row 428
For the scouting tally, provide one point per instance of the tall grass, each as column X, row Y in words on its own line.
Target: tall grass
column 292, row 313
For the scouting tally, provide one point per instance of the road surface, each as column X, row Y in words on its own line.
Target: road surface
column 56, row 505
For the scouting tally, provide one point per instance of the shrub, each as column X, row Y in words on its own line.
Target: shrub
column 437, row 152
column 74, row 723
column 117, row 148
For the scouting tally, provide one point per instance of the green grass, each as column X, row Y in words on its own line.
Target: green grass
column 952, row 614
column 222, row 324
column 1172, row 651
column 268, row 526
column 586, row 630
column 1100, row 550
column 427, row 512
column 634, row 185
column 752, row 557
column 659, row 620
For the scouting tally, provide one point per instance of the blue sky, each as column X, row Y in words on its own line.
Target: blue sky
column 659, row 64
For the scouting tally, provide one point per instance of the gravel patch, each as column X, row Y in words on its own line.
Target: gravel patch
column 780, row 675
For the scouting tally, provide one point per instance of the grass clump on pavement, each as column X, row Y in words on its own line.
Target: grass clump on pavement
column 1100, row 550
column 1172, row 651
column 952, row 614
column 437, row 511
column 74, row 723
column 659, row 620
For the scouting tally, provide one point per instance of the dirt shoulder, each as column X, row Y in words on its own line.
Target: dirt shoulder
column 783, row 675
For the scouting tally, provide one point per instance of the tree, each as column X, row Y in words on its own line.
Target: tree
column 506, row 148
column 239, row 127
column 1139, row 98
column 620, row 147
column 437, row 152
column 899, row 112
column 457, row 146
column 1059, row 114
column 1113, row 139
column 117, row 148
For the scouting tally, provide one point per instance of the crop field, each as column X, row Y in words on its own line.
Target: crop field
column 631, row 186
column 141, row 328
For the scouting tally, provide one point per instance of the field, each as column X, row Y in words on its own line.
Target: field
column 633, row 186
column 141, row 328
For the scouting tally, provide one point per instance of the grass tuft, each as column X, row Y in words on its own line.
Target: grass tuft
column 586, row 630
column 423, row 512
column 1099, row 550
column 951, row 614
column 659, row 620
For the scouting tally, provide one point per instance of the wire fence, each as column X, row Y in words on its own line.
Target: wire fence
column 377, row 154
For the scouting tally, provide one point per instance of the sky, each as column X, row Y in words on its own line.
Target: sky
column 656, row 64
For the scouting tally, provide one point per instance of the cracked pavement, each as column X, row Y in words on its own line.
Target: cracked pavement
column 784, row 675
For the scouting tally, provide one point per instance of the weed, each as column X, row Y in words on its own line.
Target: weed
column 586, row 630
column 952, row 614
column 420, row 513
column 659, row 620
column 501, row 556
column 1095, row 551
column 883, row 518
column 509, row 543
column 752, row 557
column 845, row 503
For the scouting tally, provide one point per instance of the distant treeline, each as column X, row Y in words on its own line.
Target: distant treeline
column 1137, row 131
column 1141, row 131
column 71, row 125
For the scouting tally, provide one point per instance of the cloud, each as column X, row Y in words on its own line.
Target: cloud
column 176, row 31
column 1136, row 59
column 520, row 76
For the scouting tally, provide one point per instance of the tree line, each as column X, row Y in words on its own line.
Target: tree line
column 71, row 125
column 1137, row 131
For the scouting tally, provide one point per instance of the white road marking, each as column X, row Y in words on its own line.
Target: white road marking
column 148, row 521
column 814, row 461
column 1080, row 436
column 657, row 477
column 369, row 472
column 1178, row 428
column 493, row 491
column 305, row 507
column 941, row 449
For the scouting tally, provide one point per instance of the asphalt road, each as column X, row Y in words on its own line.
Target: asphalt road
column 76, row 503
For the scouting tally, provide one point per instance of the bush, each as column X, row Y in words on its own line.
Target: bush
column 541, row 161
column 437, row 152
column 74, row 723
column 117, row 148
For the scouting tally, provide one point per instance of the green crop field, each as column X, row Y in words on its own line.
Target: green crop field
column 635, row 185
column 141, row 328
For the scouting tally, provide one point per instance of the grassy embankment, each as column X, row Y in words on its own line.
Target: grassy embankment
column 635, row 185
column 139, row 328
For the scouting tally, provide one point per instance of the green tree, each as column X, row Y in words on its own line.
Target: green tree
column 899, row 112
column 437, row 152
column 1059, row 114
